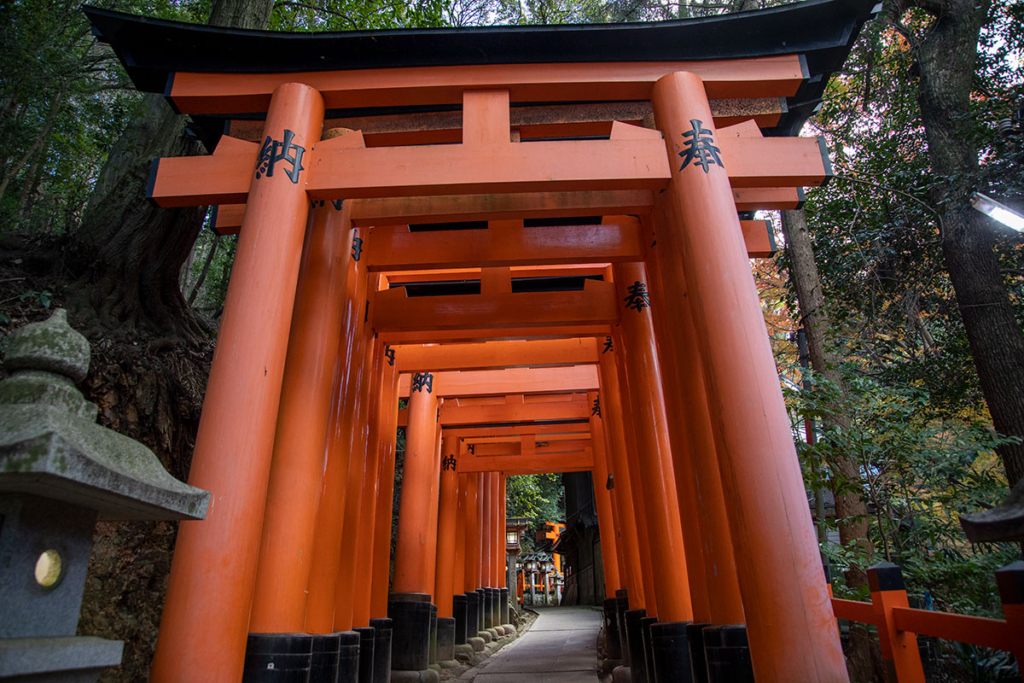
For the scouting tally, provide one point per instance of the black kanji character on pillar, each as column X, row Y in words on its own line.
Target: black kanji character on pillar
column 607, row 345
column 423, row 381
column 638, row 298
column 337, row 203
column 448, row 463
column 357, row 248
column 287, row 151
column 699, row 147
column 472, row 448
column 389, row 353
column 596, row 410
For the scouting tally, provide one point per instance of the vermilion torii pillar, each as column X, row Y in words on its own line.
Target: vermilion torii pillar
column 790, row 623
column 327, row 556
column 206, row 614
column 385, row 495
column 444, row 583
column 296, row 473
column 409, row 603
column 610, row 551
column 694, row 450
column 668, row 554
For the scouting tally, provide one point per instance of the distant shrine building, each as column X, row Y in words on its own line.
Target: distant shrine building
column 540, row 238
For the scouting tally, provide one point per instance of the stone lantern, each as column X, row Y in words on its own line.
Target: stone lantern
column 60, row 473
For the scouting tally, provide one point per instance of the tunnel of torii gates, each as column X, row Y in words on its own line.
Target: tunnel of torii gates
column 538, row 236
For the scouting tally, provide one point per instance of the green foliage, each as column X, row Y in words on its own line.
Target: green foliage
column 919, row 472
column 537, row 497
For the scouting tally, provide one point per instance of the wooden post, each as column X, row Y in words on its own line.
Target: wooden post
column 472, row 534
column 602, row 497
column 447, row 526
column 356, row 573
column 899, row 649
column 459, row 585
column 789, row 616
column 433, row 510
column 1010, row 580
column 296, row 472
column 668, row 554
column 633, row 515
column 385, row 497
column 693, row 448
column 330, row 526
column 209, row 596
column 411, row 556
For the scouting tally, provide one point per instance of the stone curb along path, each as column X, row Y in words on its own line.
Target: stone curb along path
column 559, row 647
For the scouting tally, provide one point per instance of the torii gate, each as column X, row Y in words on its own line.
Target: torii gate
column 608, row 162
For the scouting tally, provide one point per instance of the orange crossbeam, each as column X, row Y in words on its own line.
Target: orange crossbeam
column 994, row 633
column 494, row 355
column 396, row 248
column 479, row 334
column 403, row 210
column 455, row 415
column 513, row 431
column 595, row 304
column 517, row 438
column 229, row 93
column 527, row 463
column 545, row 448
column 577, row 378
column 338, row 171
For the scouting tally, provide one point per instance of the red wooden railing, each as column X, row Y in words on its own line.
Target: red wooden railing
column 899, row 625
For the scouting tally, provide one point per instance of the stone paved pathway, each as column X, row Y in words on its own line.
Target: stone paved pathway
column 560, row 647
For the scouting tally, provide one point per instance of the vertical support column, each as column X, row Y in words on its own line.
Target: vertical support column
column 505, row 584
column 1010, row 582
column 385, row 497
column 460, row 606
column 487, row 554
column 359, row 463
column 900, row 653
column 695, row 456
column 444, row 584
column 341, row 440
column 602, row 497
column 409, row 604
column 672, row 563
column 791, row 632
column 471, row 550
column 293, row 492
column 206, row 614
column 382, row 378
column 617, row 420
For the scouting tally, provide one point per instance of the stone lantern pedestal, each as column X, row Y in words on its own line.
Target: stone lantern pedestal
column 60, row 473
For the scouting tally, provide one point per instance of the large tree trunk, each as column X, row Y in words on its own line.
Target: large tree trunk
column 946, row 57
column 136, row 249
column 851, row 508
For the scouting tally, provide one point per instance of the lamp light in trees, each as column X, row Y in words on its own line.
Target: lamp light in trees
column 997, row 211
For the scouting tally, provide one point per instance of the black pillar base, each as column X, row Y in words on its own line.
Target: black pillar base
column 460, row 614
column 612, row 646
column 645, row 627
column 278, row 658
column 381, row 650
column 410, row 631
column 728, row 654
column 698, row 661
column 445, row 640
column 621, row 607
column 433, row 634
column 367, row 635
column 472, row 614
column 635, row 637
column 482, row 624
column 348, row 657
column 323, row 667
column 496, row 621
column 503, row 605
column 671, row 652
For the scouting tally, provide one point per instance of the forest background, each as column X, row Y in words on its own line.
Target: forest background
column 912, row 303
